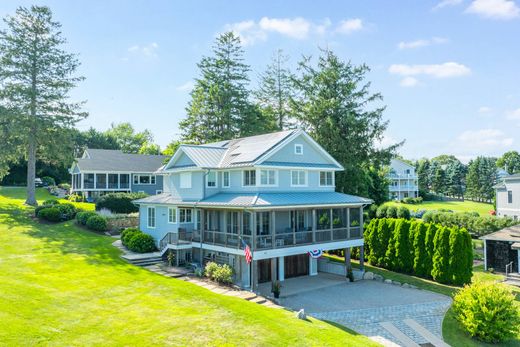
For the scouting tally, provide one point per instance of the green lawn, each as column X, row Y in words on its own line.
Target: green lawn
column 456, row 206
column 62, row 285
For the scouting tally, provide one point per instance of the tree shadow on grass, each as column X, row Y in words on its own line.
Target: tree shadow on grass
column 342, row 327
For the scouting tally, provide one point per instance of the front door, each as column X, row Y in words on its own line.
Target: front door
column 264, row 270
column 296, row 265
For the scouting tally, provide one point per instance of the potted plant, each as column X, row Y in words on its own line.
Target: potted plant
column 276, row 286
column 171, row 257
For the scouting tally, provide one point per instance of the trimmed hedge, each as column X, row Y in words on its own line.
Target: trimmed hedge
column 127, row 234
column 119, row 202
column 82, row 217
column 389, row 211
column 67, row 211
column 422, row 249
column 97, row 223
column 137, row 241
column 51, row 214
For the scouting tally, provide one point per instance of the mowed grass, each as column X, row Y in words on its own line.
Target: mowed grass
column 456, row 206
column 61, row 285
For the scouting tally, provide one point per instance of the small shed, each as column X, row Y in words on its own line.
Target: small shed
column 502, row 248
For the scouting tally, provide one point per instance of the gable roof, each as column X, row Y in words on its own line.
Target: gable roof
column 246, row 151
column 116, row 160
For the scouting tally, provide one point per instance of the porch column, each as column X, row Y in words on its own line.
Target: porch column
column 331, row 225
column 240, row 226
column 281, row 269
column 81, row 177
column 254, row 263
column 254, row 276
column 347, row 258
column 362, row 258
column 201, row 232
column 348, row 223
column 313, row 225
column 273, row 269
column 313, row 266
column 273, row 229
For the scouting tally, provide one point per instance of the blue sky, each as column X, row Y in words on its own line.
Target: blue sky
column 448, row 70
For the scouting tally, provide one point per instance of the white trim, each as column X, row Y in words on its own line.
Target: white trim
column 333, row 179
column 229, row 178
column 185, row 214
column 138, row 176
column 148, row 208
column 288, row 251
column 175, row 215
column 243, row 178
column 306, row 175
column 259, row 174
column 296, row 146
column 216, row 179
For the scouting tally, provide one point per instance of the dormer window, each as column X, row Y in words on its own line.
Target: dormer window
column 211, row 179
column 298, row 149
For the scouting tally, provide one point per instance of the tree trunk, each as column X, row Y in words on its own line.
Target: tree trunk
column 31, row 172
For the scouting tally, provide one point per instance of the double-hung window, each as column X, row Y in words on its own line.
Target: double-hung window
column 185, row 215
column 326, row 178
column 250, row 178
column 509, row 197
column 151, row 217
column 211, row 179
column 225, row 179
column 298, row 178
column 267, row 177
column 298, row 149
column 172, row 215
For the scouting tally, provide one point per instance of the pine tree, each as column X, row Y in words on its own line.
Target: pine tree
column 275, row 92
column 458, row 266
column 441, row 258
column 403, row 259
column 421, row 259
column 431, row 232
column 480, row 178
column 423, row 176
column 36, row 76
column 455, row 176
column 439, row 180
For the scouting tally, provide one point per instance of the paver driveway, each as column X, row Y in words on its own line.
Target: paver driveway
column 375, row 309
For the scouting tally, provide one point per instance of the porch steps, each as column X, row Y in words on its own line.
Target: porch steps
column 143, row 262
column 513, row 279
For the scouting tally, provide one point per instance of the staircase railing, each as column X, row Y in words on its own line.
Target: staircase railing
column 172, row 238
column 509, row 268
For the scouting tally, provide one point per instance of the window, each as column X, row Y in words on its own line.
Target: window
column 232, row 222
column 268, row 177
column 144, row 179
column 172, row 215
column 184, row 215
column 298, row 178
column 211, row 179
column 88, row 180
column 250, row 178
column 113, row 181
column 152, row 179
column 509, row 197
column 407, row 171
column 136, row 179
column 185, row 178
column 225, row 179
column 124, row 180
column 298, row 149
column 101, row 181
column 151, row 217
column 326, row 178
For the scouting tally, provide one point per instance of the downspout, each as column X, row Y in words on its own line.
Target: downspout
column 204, row 177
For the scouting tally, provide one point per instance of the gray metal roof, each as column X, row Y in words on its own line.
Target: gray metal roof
column 511, row 234
column 116, row 160
column 260, row 200
column 204, row 156
column 287, row 163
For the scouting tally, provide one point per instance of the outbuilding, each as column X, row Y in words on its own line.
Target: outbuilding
column 502, row 249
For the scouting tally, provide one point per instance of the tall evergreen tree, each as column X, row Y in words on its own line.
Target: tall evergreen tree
column 455, row 179
column 439, row 180
column 480, row 178
column 423, row 176
column 461, row 256
column 275, row 92
column 431, row 231
column 219, row 107
column 420, row 262
column 332, row 104
column 441, row 257
column 36, row 76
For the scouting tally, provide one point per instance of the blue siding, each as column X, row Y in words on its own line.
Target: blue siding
column 183, row 160
column 161, row 222
column 149, row 189
column 193, row 193
column 310, row 154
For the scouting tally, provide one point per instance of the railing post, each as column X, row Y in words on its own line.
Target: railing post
column 331, row 225
column 273, row 228
column 348, row 223
column 313, row 225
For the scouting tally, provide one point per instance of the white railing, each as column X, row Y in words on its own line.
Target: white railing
column 509, row 268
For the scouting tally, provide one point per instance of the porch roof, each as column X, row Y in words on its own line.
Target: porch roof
column 262, row 200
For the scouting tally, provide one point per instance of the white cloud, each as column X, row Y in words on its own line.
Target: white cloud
column 409, row 82
column 484, row 110
column 251, row 32
column 445, row 70
column 188, row 86
column 422, row 43
column 446, row 3
column 149, row 50
column 484, row 140
column 349, row 26
column 513, row 114
column 494, row 9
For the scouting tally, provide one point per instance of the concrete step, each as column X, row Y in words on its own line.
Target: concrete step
column 512, row 281
column 514, row 276
column 258, row 300
column 146, row 262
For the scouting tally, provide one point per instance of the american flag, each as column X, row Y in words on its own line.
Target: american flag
column 247, row 252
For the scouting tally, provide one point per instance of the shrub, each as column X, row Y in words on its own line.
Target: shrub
column 391, row 212
column 401, row 259
column 403, row 212
column 127, row 234
column 141, row 243
column 372, row 212
column 411, row 200
column 224, row 274
column 421, row 260
column 119, row 202
column 381, row 211
column 51, row 214
column 67, row 211
column 487, row 311
column 461, row 256
column 210, row 269
column 97, row 223
column 441, row 257
column 64, row 186
column 82, row 217
column 50, row 202
column 76, row 198
column 48, row 181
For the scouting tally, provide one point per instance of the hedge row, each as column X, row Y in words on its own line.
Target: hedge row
column 137, row 241
column 389, row 211
column 53, row 211
column 119, row 202
column 470, row 221
column 423, row 249
column 92, row 220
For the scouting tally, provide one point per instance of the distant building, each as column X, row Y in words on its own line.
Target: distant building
column 508, row 197
column 403, row 180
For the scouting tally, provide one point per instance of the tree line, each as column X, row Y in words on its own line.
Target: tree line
column 327, row 96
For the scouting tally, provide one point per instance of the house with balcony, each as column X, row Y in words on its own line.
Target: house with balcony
column 403, row 180
column 274, row 193
column 101, row 171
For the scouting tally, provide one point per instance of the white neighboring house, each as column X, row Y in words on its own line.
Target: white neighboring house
column 403, row 180
column 508, row 197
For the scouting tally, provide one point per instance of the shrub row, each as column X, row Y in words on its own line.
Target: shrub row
column 137, row 241
column 53, row 211
column 471, row 221
column 412, row 201
column 92, row 220
column 422, row 249
column 219, row 273
column 119, row 202
column 389, row 211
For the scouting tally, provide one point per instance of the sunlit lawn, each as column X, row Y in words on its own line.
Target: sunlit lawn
column 61, row 285
column 456, row 206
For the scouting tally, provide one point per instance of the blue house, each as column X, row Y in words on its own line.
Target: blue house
column 101, row 171
column 275, row 192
